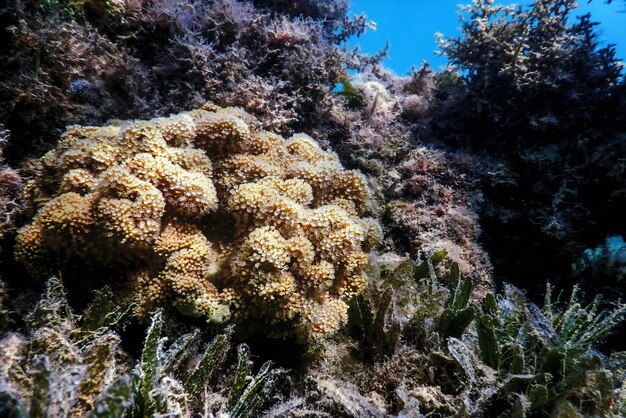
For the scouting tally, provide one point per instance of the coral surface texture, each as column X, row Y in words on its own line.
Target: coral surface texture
column 206, row 212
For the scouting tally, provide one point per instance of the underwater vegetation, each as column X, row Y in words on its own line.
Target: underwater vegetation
column 446, row 354
column 429, row 197
column 64, row 366
column 139, row 59
column 216, row 209
column 543, row 101
column 505, row 355
column 11, row 184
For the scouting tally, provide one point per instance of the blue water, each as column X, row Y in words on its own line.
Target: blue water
column 410, row 25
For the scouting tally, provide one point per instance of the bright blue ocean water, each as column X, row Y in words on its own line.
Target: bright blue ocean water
column 410, row 25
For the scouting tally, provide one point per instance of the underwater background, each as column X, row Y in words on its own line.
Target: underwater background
column 246, row 208
column 412, row 41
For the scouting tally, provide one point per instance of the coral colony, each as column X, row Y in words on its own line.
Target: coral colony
column 142, row 190
column 216, row 208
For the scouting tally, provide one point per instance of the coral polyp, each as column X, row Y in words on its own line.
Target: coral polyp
column 290, row 246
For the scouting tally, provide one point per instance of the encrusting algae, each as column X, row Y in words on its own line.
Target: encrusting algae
column 159, row 197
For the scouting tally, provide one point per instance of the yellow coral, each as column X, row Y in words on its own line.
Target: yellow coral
column 206, row 212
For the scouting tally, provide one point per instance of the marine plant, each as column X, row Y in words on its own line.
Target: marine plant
column 84, row 62
column 429, row 196
column 5, row 308
column 541, row 99
column 546, row 358
column 536, row 49
column 512, row 358
column 442, row 348
column 64, row 366
column 163, row 385
column 266, row 228
column 11, row 184
column 54, row 370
